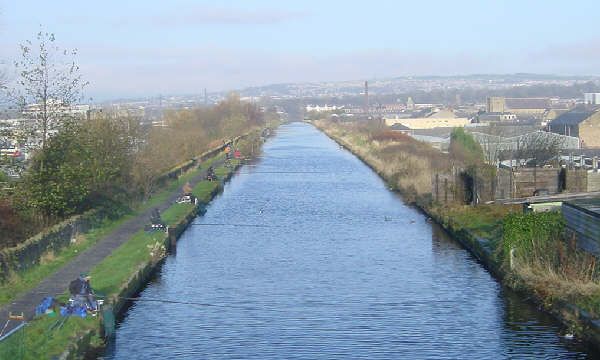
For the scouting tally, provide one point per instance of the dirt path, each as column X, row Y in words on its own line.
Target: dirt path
column 58, row 282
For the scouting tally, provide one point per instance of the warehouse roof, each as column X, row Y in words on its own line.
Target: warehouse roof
column 527, row 103
column 572, row 117
column 590, row 206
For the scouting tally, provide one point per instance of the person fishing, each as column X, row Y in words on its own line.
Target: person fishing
column 210, row 173
column 82, row 293
column 228, row 152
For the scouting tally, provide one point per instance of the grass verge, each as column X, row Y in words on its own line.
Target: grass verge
column 24, row 281
column 37, row 340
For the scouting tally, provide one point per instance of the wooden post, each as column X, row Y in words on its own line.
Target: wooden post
column 172, row 240
column 437, row 187
column 445, row 190
column 512, row 258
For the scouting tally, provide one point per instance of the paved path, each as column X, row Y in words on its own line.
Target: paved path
column 58, row 282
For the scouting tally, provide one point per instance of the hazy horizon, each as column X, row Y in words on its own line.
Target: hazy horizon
column 181, row 47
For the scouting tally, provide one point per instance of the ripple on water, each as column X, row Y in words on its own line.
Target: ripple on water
column 345, row 270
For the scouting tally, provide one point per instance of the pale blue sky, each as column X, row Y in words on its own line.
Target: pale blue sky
column 131, row 48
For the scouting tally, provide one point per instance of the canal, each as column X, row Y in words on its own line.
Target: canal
column 307, row 254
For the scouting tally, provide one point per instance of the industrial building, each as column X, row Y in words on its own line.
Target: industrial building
column 583, row 123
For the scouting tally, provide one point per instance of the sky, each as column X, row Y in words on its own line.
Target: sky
column 145, row 48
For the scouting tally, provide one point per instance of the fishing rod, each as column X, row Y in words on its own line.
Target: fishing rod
column 192, row 303
column 296, row 172
column 238, row 225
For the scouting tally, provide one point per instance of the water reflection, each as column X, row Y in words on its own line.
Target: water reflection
column 340, row 268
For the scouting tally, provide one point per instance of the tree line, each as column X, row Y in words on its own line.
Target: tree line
column 102, row 159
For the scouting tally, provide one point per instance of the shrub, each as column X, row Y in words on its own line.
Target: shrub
column 531, row 234
column 12, row 225
column 465, row 148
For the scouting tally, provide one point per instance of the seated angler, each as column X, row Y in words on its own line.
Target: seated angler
column 82, row 293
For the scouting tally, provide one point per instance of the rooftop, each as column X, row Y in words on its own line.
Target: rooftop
column 527, row 103
column 399, row 126
column 590, row 206
column 572, row 117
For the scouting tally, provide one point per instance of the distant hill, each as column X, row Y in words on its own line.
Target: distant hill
column 499, row 84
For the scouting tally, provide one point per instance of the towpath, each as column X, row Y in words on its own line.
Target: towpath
column 58, row 282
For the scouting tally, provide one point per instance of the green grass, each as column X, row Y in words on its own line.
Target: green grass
column 164, row 193
column 108, row 278
column 204, row 189
column 26, row 280
column 484, row 221
column 36, row 340
column 176, row 213
column 113, row 272
column 591, row 304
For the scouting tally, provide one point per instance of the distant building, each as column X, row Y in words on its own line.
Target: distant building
column 323, row 108
column 56, row 106
column 401, row 129
column 428, row 122
column 583, row 123
column 410, row 104
column 495, row 104
column 493, row 145
column 429, row 119
column 553, row 114
column 497, row 117
column 442, row 114
column 518, row 106
column 591, row 98
column 388, row 109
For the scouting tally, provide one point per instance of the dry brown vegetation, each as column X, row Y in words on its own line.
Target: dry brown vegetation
column 554, row 270
column 408, row 164
column 561, row 271
column 114, row 162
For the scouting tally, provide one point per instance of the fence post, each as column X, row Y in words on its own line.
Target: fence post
column 512, row 258
column 437, row 187
column 445, row 190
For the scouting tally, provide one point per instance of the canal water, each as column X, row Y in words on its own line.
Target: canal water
column 307, row 255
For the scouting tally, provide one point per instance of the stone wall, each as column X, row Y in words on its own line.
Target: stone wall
column 60, row 236
column 576, row 181
column 593, row 181
column 54, row 239
column 527, row 180
column 443, row 188
column 589, row 131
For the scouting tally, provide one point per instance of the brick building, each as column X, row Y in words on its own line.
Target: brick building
column 583, row 123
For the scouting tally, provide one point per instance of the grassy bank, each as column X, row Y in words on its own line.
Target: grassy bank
column 116, row 275
column 24, row 281
column 529, row 252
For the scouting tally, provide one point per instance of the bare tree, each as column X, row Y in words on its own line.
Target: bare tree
column 48, row 83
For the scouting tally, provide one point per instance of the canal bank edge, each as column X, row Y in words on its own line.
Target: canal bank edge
column 60, row 237
column 117, row 304
column 84, row 344
column 570, row 315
